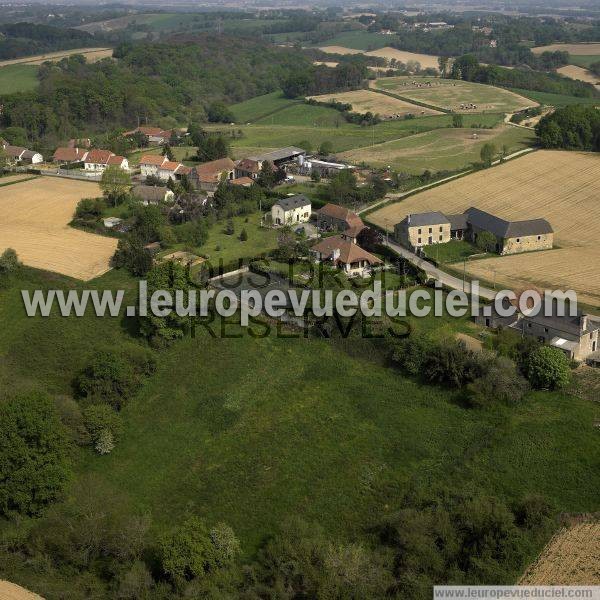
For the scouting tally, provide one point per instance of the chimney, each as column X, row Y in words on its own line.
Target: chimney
column 583, row 321
column 408, row 220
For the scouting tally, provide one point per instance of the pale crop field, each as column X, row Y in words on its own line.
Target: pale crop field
column 450, row 94
column 34, row 218
column 562, row 187
column 425, row 60
column 91, row 55
column 367, row 101
column 572, row 557
column 592, row 49
column 574, row 72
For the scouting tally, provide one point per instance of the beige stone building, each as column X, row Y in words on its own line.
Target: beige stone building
column 423, row 229
column 512, row 237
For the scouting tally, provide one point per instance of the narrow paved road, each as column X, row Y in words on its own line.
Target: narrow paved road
column 435, row 273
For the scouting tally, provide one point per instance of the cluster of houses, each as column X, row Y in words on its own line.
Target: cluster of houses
column 16, row 155
column 342, row 249
column 424, row 229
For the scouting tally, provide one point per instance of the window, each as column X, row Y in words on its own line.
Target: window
column 529, row 325
column 518, row 240
column 441, row 237
column 419, row 232
column 546, row 329
column 419, row 241
column 539, row 237
column 431, row 230
column 441, row 229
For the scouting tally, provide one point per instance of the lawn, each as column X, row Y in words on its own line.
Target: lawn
column 452, row 251
column 225, row 247
column 18, row 78
column 556, row 99
column 181, row 153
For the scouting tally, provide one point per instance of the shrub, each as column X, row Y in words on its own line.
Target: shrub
column 99, row 420
column 548, row 368
column 33, row 455
column 501, row 382
column 244, row 235
column 109, row 378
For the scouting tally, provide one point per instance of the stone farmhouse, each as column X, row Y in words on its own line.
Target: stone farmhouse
column 577, row 336
column 423, row 229
column 99, row 160
column 292, row 210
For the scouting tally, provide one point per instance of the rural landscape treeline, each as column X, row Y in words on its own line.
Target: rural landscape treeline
column 164, row 456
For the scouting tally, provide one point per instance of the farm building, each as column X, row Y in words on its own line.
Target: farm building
column 281, row 156
column 577, row 336
column 208, row 175
column 422, row 229
column 333, row 217
column 343, row 252
column 153, row 194
column 69, row 155
column 288, row 211
column 155, row 135
column 248, row 167
column 18, row 154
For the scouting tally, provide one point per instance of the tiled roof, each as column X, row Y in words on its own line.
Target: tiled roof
column 115, row 159
column 152, row 159
column 349, row 252
column 99, row 157
column 70, row 154
column 342, row 213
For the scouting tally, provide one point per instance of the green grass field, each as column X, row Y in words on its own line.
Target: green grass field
column 584, row 61
column 319, row 124
column 556, row 99
column 18, row 78
column 251, row 431
column 359, row 40
column 450, row 94
column 440, row 149
column 261, row 106
column 451, row 252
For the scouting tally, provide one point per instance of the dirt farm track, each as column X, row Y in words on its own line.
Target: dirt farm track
column 562, row 187
column 34, row 218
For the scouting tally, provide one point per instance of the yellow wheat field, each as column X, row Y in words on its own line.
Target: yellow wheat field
column 592, row 49
column 91, row 55
column 574, row 72
column 562, row 187
column 572, row 557
column 367, row 101
column 425, row 60
column 11, row 591
column 34, row 217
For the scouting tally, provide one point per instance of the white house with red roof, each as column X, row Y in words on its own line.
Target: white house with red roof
column 97, row 160
column 154, row 165
column 69, row 155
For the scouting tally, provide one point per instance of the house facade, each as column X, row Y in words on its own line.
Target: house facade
column 577, row 336
column 423, row 229
column 98, row 160
column 19, row 155
column 292, row 210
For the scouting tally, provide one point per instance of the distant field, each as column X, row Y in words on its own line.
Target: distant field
column 584, row 61
column 360, row 40
column 260, row 106
column 439, row 150
column 576, row 49
column 425, row 60
column 555, row 99
column 365, row 100
column 91, row 55
column 34, row 218
column 305, row 115
column 575, row 72
column 18, row 78
column 572, row 557
column 562, row 187
column 449, row 94
column 343, row 135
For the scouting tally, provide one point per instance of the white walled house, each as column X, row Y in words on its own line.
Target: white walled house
column 97, row 160
column 150, row 163
column 289, row 211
